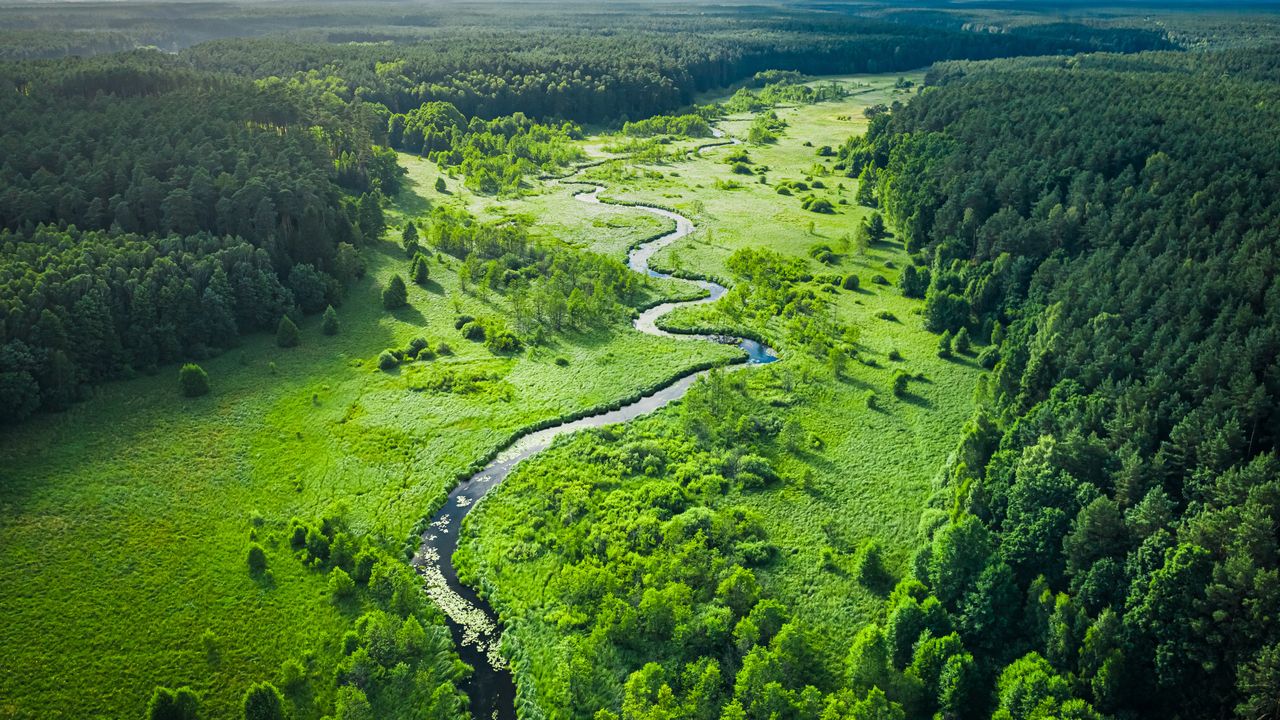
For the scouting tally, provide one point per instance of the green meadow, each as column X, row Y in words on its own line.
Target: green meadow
column 877, row 461
column 126, row 519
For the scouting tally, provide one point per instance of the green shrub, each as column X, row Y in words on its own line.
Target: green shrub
column 396, row 295
column 440, row 186
column 293, row 676
column 562, row 361
column 961, row 341
column 895, row 356
column 341, row 585
column 329, row 325
column 193, row 380
column 474, row 331
column 988, row 357
column 287, row 333
column 166, row 704
column 419, row 270
column 851, row 282
column 944, row 345
column 879, row 280
column 900, row 380
column 257, row 558
column 869, row 569
column 461, row 320
column 387, row 360
column 263, row 702
column 416, row 348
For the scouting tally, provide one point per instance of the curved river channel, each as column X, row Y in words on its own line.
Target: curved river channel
column 473, row 623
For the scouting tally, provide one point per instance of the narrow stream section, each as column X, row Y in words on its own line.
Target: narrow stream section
column 473, row 623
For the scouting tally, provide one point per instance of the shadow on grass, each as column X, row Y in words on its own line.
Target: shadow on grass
column 410, row 201
column 409, row 314
column 919, row 401
column 432, row 287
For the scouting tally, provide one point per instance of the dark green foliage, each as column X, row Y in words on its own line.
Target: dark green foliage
column 1118, row 492
column 440, row 185
column 263, row 702
column 257, row 558
column 409, row 236
column 287, row 333
column 387, row 360
column 900, row 380
column 503, row 341
column 944, row 345
column 419, row 270
column 851, row 282
column 167, row 704
column 329, row 323
column 181, row 224
column 875, row 227
column 869, row 568
column 341, row 586
column 395, row 295
column 817, row 205
column 474, row 331
column 693, row 126
column 193, row 381
column 914, row 281
column 960, row 342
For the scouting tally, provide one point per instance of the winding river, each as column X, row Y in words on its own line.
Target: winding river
column 474, row 625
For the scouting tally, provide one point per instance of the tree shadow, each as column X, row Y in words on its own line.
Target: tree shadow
column 919, row 401
column 410, row 201
column 432, row 287
column 409, row 314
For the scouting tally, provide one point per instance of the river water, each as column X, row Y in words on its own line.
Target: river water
column 474, row 625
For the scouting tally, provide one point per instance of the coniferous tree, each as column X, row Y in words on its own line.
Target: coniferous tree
column 419, row 270
column 329, row 324
column 396, row 295
column 193, row 380
column 287, row 335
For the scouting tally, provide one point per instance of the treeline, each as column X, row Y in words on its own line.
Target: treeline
column 493, row 156
column 136, row 231
column 582, row 70
column 551, row 288
column 1107, row 540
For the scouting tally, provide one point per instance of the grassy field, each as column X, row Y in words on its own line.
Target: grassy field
column 124, row 522
column 876, row 468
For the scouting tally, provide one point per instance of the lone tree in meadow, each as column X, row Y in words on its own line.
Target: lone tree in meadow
column 329, row 325
column 944, row 345
column 287, row 333
column 960, row 343
column 263, row 702
column 193, row 380
column 419, row 270
column 166, row 704
column 396, row 295
column 440, row 186
column 257, row 558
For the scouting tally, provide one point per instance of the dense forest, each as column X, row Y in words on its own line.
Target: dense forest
column 1106, row 533
column 136, row 233
column 1080, row 213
